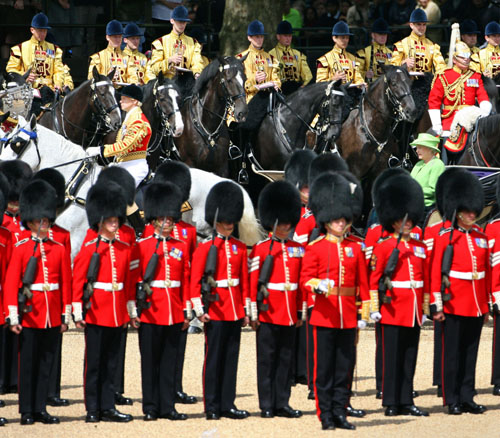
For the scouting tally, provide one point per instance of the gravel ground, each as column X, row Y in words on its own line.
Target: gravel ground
column 373, row 425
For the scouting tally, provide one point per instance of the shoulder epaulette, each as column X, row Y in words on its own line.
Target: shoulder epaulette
column 206, row 239
column 262, row 241
column 145, row 238
column 444, row 231
column 91, row 242
column 317, row 240
column 121, row 241
column 55, row 241
column 383, row 239
column 307, row 214
column 21, row 242
column 373, row 226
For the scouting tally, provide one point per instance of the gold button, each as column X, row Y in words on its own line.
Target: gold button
column 115, row 286
column 230, row 282
column 475, row 275
column 46, row 287
column 288, row 286
column 168, row 283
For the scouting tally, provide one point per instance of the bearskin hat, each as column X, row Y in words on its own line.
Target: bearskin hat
column 357, row 193
column 123, row 178
column 18, row 174
column 462, row 192
column 297, row 167
column 3, row 206
column 56, row 180
column 4, row 186
column 105, row 200
column 326, row 163
column 397, row 196
column 37, row 200
column 227, row 197
column 331, row 197
column 442, row 181
column 386, row 174
column 162, row 200
column 279, row 200
column 175, row 172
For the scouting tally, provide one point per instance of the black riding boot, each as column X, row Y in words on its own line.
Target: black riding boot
column 137, row 223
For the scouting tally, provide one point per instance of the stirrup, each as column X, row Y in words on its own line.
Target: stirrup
column 393, row 161
column 234, row 152
column 243, row 174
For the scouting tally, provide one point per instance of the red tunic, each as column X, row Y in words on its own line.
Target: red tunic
column 13, row 224
column 49, row 305
column 231, row 265
column 5, row 256
column 305, row 226
column 344, row 265
column 285, row 299
column 125, row 234
column 181, row 231
column 410, row 281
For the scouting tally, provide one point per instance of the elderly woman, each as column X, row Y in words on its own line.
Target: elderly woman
column 429, row 168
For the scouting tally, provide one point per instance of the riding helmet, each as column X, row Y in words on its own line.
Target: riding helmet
column 162, row 199
column 418, row 16
column 284, row 28
column 225, row 197
column 180, row 13
column 469, row 27
column 40, row 21
column 256, row 28
column 132, row 30
column 114, row 27
column 38, row 200
column 280, row 201
column 380, row 26
column 341, row 29
column 492, row 28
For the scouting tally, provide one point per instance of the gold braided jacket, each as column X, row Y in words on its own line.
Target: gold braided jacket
column 489, row 59
column 337, row 60
column 109, row 58
column 292, row 64
column 382, row 55
column 140, row 62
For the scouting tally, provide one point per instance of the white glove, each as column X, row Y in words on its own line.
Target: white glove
column 424, row 318
column 435, row 116
column 361, row 324
column 376, row 316
column 93, row 151
column 485, row 107
column 322, row 287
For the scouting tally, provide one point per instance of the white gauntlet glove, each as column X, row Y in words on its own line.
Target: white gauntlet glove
column 376, row 316
column 322, row 287
column 361, row 324
column 94, row 151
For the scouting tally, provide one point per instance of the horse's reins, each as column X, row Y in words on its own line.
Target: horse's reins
column 475, row 141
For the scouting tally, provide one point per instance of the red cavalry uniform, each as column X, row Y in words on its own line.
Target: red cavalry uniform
column 469, row 84
column 181, row 231
column 51, row 287
column 305, row 226
column 170, row 286
column 13, row 224
column 231, row 277
column 109, row 301
column 285, row 299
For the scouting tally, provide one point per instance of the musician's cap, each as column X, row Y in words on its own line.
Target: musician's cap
column 492, row 28
column 122, row 177
column 162, row 199
column 284, row 28
column 114, row 27
column 132, row 30
column 326, row 163
column 37, row 201
column 427, row 140
column 175, row 172
column 56, row 180
column 256, row 28
column 386, row 174
column 226, row 196
column 397, row 196
column 341, row 29
column 331, row 198
column 380, row 26
column 469, row 27
column 418, row 16
column 180, row 13
column 133, row 91
column 297, row 167
column 441, row 188
column 105, row 200
column 18, row 174
column 279, row 200
column 356, row 193
column 40, row 21
column 199, row 35
column 462, row 192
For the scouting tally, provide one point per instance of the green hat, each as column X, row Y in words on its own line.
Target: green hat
column 427, row 140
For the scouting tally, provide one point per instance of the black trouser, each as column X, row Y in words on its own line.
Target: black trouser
column 438, row 339
column 222, row 348
column 274, row 364
column 37, row 348
column 159, row 345
column 400, row 348
column 333, row 357
column 379, row 357
column 495, row 373
column 461, row 336
column 102, row 346
column 300, row 370
column 310, row 352
column 120, row 371
column 55, row 370
column 179, row 366
column 8, row 360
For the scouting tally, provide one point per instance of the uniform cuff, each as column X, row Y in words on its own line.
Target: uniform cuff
column 77, row 311
column 198, row 307
column 188, row 311
column 254, row 313
column 132, row 309
column 13, row 315
column 438, row 301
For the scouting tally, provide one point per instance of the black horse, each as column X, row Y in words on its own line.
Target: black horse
column 219, row 90
column 86, row 114
column 483, row 144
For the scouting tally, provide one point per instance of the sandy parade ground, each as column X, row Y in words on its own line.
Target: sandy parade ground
column 375, row 424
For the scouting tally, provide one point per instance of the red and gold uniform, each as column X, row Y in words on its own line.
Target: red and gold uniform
column 292, row 65
column 110, row 58
column 140, row 62
column 337, row 60
column 372, row 58
column 489, row 60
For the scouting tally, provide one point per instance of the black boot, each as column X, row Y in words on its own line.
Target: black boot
column 137, row 223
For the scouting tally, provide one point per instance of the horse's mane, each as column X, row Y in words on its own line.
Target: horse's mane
column 206, row 75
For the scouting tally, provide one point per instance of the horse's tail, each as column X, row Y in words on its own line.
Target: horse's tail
column 249, row 228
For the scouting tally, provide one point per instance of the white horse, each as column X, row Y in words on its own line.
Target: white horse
column 53, row 150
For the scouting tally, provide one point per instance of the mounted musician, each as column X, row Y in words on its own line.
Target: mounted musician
column 132, row 38
column 468, row 34
column 42, row 59
column 489, row 57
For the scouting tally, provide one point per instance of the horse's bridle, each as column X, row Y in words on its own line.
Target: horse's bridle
column 395, row 101
column 101, row 111
column 26, row 137
column 165, row 124
column 227, row 95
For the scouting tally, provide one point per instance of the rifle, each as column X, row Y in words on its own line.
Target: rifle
column 265, row 275
column 92, row 272
column 208, row 281
column 143, row 289
column 446, row 264
column 385, row 283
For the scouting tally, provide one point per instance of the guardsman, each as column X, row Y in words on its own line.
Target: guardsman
column 132, row 38
column 468, row 34
column 371, row 58
column 294, row 72
column 41, row 266
column 224, row 309
column 489, row 57
column 176, row 52
column 261, row 68
column 41, row 58
column 275, row 316
column 419, row 53
column 397, row 198
column 167, row 310
column 459, row 290
column 112, row 57
column 106, row 297
column 132, row 140
column 454, row 89
column 338, row 63
column 333, row 269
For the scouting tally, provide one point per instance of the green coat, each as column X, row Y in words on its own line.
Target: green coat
column 427, row 175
